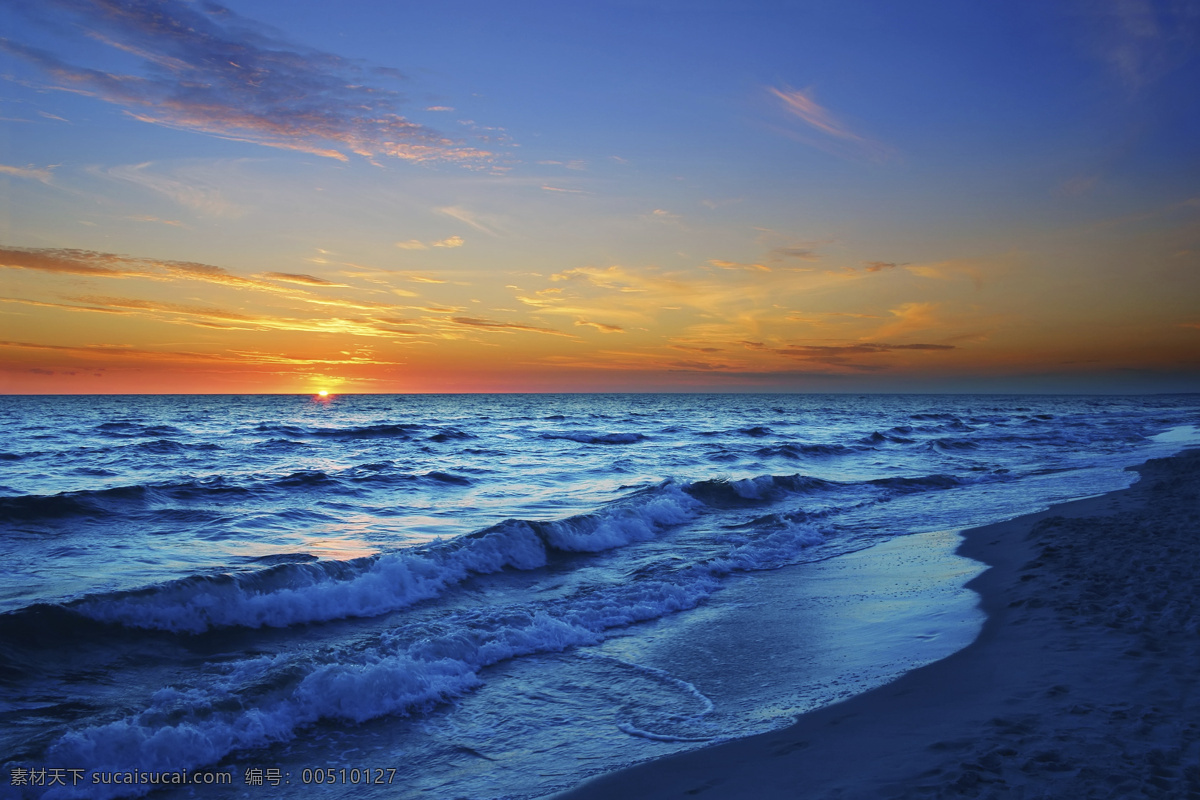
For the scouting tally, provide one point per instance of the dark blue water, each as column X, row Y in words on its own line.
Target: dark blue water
column 443, row 585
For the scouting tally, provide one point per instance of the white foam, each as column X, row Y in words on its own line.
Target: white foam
column 389, row 679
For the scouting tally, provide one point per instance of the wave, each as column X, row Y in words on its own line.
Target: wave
column 923, row 483
column 124, row 500
column 756, row 431
column 885, row 438
column 450, row 435
column 293, row 594
column 951, row 444
column 389, row 678
column 408, row 670
column 316, row 592
column 724, row 493
column 598, row 438
column 382, row 430
column 30, row 508
column 263, row 701
column 172, row 447
column 792, row 450
column 131, row 429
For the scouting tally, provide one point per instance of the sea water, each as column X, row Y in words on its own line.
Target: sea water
column 490, row 596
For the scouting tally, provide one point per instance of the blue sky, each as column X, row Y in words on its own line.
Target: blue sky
column 268, row 196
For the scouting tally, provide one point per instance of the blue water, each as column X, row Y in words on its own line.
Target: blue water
column 444, row 585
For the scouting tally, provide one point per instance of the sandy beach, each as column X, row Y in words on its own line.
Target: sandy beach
column 1082, row 684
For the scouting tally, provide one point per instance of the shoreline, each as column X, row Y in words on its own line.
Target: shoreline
column 1082, row 682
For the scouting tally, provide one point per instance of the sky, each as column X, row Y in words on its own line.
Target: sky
column 263, row 196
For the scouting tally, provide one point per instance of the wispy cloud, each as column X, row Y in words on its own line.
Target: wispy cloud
column 417, row 244
column 662, row 215
column 802, row 106
column 112, row 265
column 174, row 223
column 302, row 279
column 108, row 352
column 600, row 326
column 29, row 172
column 948, row 270
column 909, row 318
column 494, row 325
column 859, row 356
column 73, row 262
column 462, row 215
column 183, row 187
column 798, row 253
column 716, row 262
column 205, row 68
column 1142, row 41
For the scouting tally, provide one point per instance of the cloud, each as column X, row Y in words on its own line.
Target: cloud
column 948, row 270
column 560, row 189
column 29, row 172
column 662, row 215
column 112, row 265
column 187, row 190
column 462, row 215
column 716, row 262
column 174, row 223
column 305, row 280
column 846, row 355
column 1143, row 41
column 798, row 253
column 73, row 262
column 801, row 105
column 878, row 266
column 909, row 317
column 417, row 244
column 600, row 326
column 224, row 319
column 108, row 352
column 1077, row 186
column 204, row 68
column 493, row 325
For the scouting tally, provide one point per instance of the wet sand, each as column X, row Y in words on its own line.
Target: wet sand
column 1083, row 683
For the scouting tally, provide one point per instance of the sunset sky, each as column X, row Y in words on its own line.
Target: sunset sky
column 270, row 196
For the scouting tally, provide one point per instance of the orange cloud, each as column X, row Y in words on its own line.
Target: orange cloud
column 304, row 280
column 70, row 261
column 493, row 325
column 600, row 326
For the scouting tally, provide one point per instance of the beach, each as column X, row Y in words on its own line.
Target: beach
column 1082, row 682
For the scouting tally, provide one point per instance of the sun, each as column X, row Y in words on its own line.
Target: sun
column 323, row 393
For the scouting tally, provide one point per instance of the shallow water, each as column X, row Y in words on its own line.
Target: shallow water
column 495, row 595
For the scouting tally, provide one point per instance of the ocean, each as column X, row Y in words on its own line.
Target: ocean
column 472, row 596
